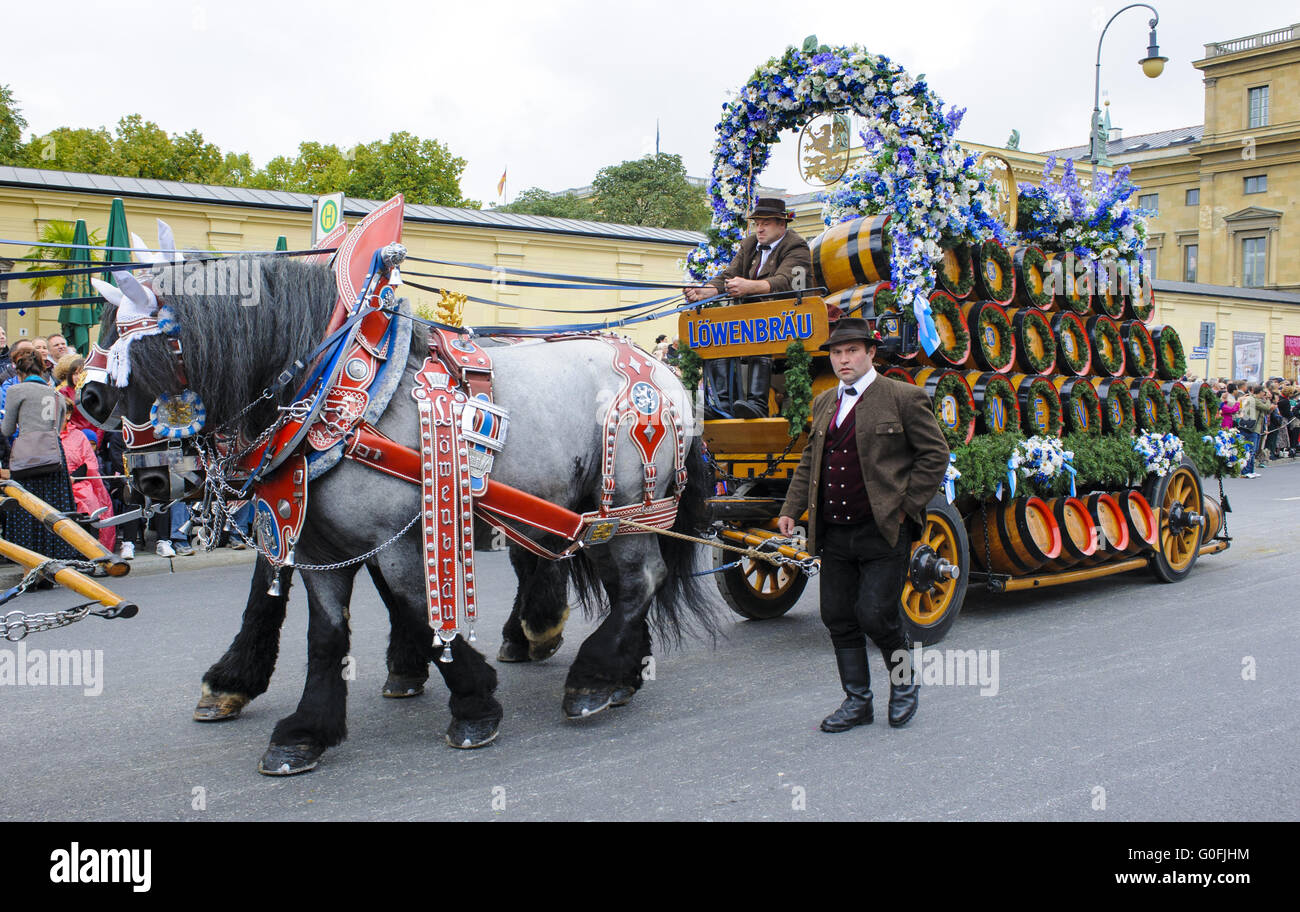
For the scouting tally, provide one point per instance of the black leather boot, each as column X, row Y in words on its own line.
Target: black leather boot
column 717, row 388
column 903, row 698
column 855, row 678
column 754, row 405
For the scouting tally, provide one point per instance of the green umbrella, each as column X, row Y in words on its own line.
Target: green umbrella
column 118, row 236
column 282, row 243
column 76, row 319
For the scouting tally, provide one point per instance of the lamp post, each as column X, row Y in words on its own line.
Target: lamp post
column 1152, row 64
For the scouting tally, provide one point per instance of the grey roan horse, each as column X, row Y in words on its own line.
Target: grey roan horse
column 555, row 394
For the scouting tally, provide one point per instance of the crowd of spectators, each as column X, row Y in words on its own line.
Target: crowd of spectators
column 39, row 379
column 1267, row 414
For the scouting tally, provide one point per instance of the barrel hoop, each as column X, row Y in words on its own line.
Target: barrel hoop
column 1004, row 534
column 852, row 248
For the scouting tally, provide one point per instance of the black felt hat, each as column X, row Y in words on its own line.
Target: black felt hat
column 851, row 329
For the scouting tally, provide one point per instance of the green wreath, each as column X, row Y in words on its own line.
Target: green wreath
column 1150, row 389
column 1208, row 413
column 1171, row 362
column 1114, row 363
column 1027, row 258
column 960, row 350
column 966, row 273
column 1180, row 397
column 953, row 385
column 1141, row 353
column 1069, row 298
column 997, row 318
column 885, row 299
column 1138, row 305
column 1024, row 352
column 992, row 250
column 999, row 387
column 798, row 388
column 1067, row 322
column 1042, row 386
column 1082, row 391
column 983, row 463
column 1118, row 397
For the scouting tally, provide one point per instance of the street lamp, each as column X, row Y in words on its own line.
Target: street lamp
column 1152, row 64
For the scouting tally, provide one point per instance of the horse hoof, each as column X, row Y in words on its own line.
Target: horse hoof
column 289, row 760
column 622, row 696
column 399, row 686
column 579, row 704
column 544, row 650
column 467, row 734
column 513, row 652
column 215, row 706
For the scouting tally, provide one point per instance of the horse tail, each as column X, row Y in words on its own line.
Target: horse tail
column 681, row 605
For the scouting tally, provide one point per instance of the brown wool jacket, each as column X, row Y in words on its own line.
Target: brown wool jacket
column 902, row 452
column 779, row 270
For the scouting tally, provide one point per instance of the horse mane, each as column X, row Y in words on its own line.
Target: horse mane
column 234, row 350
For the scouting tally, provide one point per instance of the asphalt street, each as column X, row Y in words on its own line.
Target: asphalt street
column 1117, row 700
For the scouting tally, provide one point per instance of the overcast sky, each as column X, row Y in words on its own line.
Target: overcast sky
column 555, row 90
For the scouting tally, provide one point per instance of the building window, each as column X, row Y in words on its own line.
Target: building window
column 1189, row 262
column 1257, row 183
column 1254, row 261
column 1194, row 197
column 1150, row 201
column 1258, row 100
column 1150, row 257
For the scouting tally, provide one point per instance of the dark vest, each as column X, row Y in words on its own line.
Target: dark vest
column 844, row 499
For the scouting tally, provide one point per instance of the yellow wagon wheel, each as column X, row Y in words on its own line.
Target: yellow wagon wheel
column 757, row 590
column 931, row 601
column 1177, row 501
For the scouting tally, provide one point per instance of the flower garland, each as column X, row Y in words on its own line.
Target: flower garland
column 1141, row 361
column 798, row 388
column 955, row 386
column 1082, row 395
column 1063, row 215
column 1154, row 413
column 1073, row 353
column 1161, row 453
column 911, row 165
column 999, row 389
column 1231, row 451
column 986, row 256
column 965, row 281
column 993, row 317
column 1180, row 407
column 1103, row 329
column 1030, row 320
column 1171, row 361
column 1042, row 461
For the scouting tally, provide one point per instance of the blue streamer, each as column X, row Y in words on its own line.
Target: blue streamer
column 1069, row 468
column 925, row 325
column 949, row 485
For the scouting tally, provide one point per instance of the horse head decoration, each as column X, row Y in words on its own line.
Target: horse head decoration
column 208, row 380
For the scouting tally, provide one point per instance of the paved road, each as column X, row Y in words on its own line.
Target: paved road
column 1122, row 685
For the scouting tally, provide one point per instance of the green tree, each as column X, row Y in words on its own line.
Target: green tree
column 68, row 149
column 651, row 191
column 536, row 201
column 422, row 169
column 12, row 124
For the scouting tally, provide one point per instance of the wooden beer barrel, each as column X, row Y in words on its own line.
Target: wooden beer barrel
column 1072, row 292
column 951, row 399
column 993, row 342
column 1142, row 301
column 1035, row 344
column 1171, row 361
column 1140, row 351
column 954, row 335
column 1107, row 346
column 1143, row 527
column 1205, row 407
column 1040, row 406
column 865, row 301
column 852, row 253
column 956, row 273
column 1022, row 535
column 1116, row 404
column 1031, row 288
column 995, row 273
column 1080, row 407
column 997, row 408
column 1111, row 525
column 1182, row 410
column 1213, row 512
column 1110, row 290
column 1078, row 532
column 898, row 373
column 1149, row 405
column 1073, row 350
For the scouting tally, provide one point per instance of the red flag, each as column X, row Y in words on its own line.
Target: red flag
column 501, row 184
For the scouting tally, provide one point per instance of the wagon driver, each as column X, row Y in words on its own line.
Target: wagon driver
column 875, row 457
column 772, row 259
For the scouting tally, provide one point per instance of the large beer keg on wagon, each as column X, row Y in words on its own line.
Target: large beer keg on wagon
column 1018, row 536
column 852, row 253
column 1078, row 532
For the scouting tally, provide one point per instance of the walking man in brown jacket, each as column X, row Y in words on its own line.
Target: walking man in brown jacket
column 875, row 457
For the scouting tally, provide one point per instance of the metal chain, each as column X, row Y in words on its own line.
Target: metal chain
column 355, row 560
column 16, row 625
column 811, row 566
column 988, row 550
column 772, row 465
